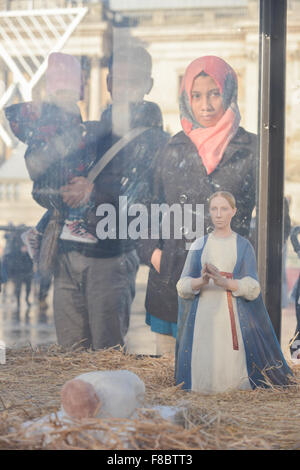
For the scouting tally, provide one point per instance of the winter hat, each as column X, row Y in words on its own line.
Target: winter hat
column 63, row 73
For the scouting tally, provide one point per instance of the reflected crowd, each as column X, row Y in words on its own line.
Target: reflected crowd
column 77, row 258
column 26, row 311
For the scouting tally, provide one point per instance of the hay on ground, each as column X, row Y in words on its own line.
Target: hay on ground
column 31, row 380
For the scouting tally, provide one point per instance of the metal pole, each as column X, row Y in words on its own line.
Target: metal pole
column 271, row 167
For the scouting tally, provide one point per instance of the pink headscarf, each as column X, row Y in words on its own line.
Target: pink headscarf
column 211, row 142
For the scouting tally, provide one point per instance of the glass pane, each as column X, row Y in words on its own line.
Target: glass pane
column 120, row 120
column 173, row 36
column 292, row 185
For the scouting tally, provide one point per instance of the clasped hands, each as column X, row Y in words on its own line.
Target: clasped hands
column 209, row 271
column 77, row 192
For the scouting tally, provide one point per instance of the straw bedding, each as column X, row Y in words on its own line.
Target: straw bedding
column 31, row 380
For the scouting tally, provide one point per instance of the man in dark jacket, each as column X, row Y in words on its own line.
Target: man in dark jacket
column 94, row 284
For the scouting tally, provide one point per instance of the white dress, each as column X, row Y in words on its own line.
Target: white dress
column 216, row 367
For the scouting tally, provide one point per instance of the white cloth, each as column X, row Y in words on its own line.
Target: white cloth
column 120, row 392
column 216, row 366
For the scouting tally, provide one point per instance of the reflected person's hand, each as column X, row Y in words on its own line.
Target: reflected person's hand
column 77, row 192
column 156, row 258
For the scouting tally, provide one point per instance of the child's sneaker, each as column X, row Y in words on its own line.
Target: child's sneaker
column 75, row 230
column 31, row 239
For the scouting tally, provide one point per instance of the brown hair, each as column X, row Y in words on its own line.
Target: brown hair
column 226, row 195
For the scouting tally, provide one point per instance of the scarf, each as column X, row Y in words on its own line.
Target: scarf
column 211, row 142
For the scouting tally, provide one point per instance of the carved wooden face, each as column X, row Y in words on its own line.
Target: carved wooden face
column 221, row 212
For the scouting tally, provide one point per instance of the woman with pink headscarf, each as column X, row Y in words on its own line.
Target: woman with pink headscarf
column 211, row 153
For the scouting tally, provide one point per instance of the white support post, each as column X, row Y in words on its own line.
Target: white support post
column 59, row 45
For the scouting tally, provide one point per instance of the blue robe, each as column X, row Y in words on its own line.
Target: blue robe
column 263, row 352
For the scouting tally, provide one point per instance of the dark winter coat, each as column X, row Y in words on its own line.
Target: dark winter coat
column 181, row 178
column 129, row 174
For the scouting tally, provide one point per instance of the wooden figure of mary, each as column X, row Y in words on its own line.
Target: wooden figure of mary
column 225, row 338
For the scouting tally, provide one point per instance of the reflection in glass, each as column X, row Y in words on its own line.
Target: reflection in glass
column 173, row 36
